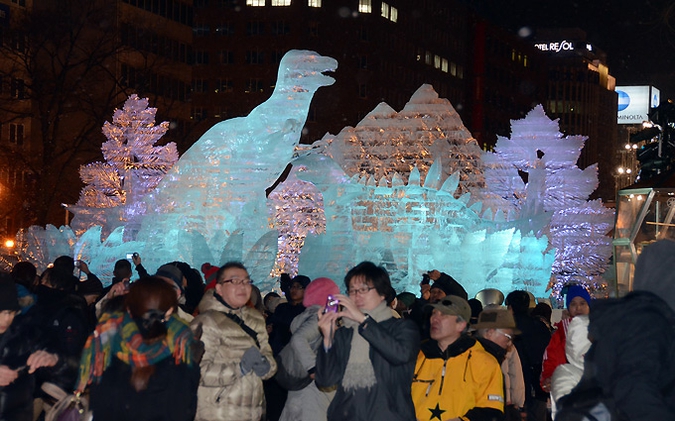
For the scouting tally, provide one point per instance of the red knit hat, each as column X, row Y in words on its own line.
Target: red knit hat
column 318, row 290
column 210, row 273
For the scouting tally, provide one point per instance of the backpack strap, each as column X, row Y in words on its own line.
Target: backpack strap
column 246, row 328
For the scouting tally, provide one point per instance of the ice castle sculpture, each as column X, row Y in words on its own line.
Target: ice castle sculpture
column 409, row 190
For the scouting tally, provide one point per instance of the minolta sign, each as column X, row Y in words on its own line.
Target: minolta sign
column 635, row 103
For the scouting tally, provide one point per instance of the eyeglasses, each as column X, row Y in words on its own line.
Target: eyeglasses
column 509, row 337
column 238, row 281
column 359, row 291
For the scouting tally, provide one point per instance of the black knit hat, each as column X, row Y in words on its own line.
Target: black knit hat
column 9, row 299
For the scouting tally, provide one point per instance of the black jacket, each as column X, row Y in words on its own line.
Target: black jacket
column 394, row 345
column 16, row 345
column 531, row 344
column 632, row 355
column 63, row 319
column 171, row 394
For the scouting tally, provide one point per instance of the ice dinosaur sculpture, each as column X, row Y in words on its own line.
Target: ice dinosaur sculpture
column 218, row 186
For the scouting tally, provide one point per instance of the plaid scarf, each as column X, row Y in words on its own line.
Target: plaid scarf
column 117, row 334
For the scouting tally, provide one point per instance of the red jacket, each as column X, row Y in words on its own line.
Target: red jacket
column 555, row 351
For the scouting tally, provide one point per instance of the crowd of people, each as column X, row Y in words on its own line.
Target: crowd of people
column 185, row 344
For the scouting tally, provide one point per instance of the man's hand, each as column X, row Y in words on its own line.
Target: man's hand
column 83, row 266
column 7, row 375
column 39, row 359
column 434, row 275
column 136, row 258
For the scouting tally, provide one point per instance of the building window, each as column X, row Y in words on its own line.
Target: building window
column 255, row 28
column 200, row 85
column 276, row 56
column 254, row 85
column 226, row 57
column 280, row 28
column 363, row 62
column 444, row 65
column 363, row 91
column 314, row 3
column 201, row 57
column 281, row 2
column 365, row 6
column 254, row 57
column 16, row 134
column 201, row 30
column 255, row 3
column 437, row 62
column 18, row 90
column 313, row 29
column 21, row 3
column 225, row 29
column 198, row 114
column 427, row 58
column 225, row 85
column 389, row 12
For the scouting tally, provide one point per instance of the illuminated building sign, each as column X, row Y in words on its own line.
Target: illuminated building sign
column 635, row 103
column 556, row 47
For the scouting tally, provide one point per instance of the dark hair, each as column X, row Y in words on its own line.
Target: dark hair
column 122, row 264
column 60, row 278
column 377, row 275
column 147, row 301
column 227, row 266
column 65, row 262
column 268, row 297
column 542, row 309
column 519, row 301
column 24, row 273
column 194, row 291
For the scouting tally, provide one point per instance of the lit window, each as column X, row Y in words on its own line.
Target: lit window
column 525, row 61
column 444, row 65
column 389, row 12
column 365, row 6
column 427, row 58
column 255, row 3
column 385, row 10
column 437, row 62
column 453, row 69
column 281, row 2
column 314, row 3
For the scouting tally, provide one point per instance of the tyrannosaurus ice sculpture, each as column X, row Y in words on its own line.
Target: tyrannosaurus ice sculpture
column 218, row 185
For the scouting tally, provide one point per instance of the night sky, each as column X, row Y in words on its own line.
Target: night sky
column 638, row 35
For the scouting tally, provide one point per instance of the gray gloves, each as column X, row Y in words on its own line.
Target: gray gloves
column 254, row 360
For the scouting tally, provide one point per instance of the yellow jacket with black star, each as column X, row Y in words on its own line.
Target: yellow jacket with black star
column 463, row 381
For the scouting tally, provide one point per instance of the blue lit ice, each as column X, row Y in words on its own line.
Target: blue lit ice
column 410, row 190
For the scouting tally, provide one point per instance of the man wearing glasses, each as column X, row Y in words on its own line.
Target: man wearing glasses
column 455, row 378
column 237, row 355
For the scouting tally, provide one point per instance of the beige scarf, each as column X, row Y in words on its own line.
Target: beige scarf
column 359, row 373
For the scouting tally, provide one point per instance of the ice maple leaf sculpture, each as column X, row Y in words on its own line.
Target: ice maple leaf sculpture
column 554, row 201
column 133, row 167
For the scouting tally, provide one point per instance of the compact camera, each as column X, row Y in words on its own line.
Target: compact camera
column 332, row 305
column 131, row 255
